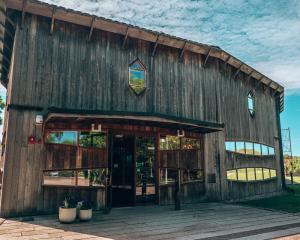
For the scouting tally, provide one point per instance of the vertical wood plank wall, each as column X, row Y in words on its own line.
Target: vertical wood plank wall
column 64, row 70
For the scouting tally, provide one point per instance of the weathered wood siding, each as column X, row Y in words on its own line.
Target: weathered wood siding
column 64, row 70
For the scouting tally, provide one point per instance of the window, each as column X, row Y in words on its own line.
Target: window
column 86, row 177
column 240, row 147
column 230, row 146
column 232, row 175
column 192, row 175
column 271, row 151
column 249, row 148
column 63, row 137
column 61, row 178
column 250, row 174
column 251, row 103
column 173, row 143
column 242, row 174
column 167, row 176
column 257, row 149
column 137, row 76
column 90, row 139
column 264, row 150
column 259, row 173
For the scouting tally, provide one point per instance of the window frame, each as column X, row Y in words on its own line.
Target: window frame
column 251, row 96
column 143, row 68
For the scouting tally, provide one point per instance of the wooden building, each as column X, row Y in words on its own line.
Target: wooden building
column 115, row 114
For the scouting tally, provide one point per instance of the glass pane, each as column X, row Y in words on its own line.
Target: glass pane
column 192, row 175
column 273, row 173
column 136, row 65
column 65, row 137
column 264, row 150
column 91, row 177
column 230, row 146
column 145, row 169
column 249, row 148
column 259, row 173
column 257, row 149
column 271, row 151
column 167, row 176
column 266, row 173
column 242, row 176
column 240, row 147
column 169, row 143
column 89, row 139
column 251, row 174
column 190, row 143
column 231, row 175
column 251, row 103
column 63, row 178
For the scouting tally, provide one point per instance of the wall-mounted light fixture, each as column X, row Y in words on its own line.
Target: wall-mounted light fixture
column 39, row 119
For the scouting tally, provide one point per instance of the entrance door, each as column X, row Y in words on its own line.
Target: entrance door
column 145, row 170
column 123, row 171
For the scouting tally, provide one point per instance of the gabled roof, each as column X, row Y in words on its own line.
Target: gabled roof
column 94, row 22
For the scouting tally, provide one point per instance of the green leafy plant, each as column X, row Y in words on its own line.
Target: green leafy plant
column 2, row 106
column 69, row 202
column 86, row 205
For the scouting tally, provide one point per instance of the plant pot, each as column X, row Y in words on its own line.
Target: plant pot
column 85, row 215
column 67, row 215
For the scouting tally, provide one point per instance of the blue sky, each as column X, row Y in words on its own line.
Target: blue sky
column 262, row 33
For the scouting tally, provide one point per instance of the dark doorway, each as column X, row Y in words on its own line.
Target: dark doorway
column 123, row 171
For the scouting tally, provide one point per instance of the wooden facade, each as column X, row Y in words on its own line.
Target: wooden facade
column 75, row 76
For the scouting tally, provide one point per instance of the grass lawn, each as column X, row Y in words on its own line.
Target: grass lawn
column 288, row 203
column 296, row 179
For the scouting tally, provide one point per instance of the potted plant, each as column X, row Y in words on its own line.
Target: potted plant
column 85, row 213
column 67, row 212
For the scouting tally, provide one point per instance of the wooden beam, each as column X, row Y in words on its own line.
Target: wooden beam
column 6, row 31
column 125, row 38
column 250, row 75
column 207, row 56
column 52, row 20
column 259, row 82
column 238, row 70
column 91, row 28
column 275, row 91
column 3, row 11
column 268, row 85
column 182, row 50
column 155, row 46
column 5, row 45
column 24, row 3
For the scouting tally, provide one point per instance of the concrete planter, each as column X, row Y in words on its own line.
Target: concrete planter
column 85, row 215
column 67, row 215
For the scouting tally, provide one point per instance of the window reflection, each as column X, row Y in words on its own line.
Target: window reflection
column 230, row 146
column 250, row 174
column 240, row 147
column 249, row 148
column 62, row 137
column 90, row 139
column 86, row 177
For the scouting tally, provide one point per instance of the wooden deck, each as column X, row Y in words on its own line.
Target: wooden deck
column 195, row 221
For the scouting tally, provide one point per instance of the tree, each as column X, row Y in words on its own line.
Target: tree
column 2, row 106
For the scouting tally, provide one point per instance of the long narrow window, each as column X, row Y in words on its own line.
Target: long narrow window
column 251, row 174
column 251, row 103
column 137, row 76
column 249, row 148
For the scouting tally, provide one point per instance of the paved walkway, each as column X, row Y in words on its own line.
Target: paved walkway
column 197, row 221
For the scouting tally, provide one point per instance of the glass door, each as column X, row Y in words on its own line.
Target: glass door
column 145, row 170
